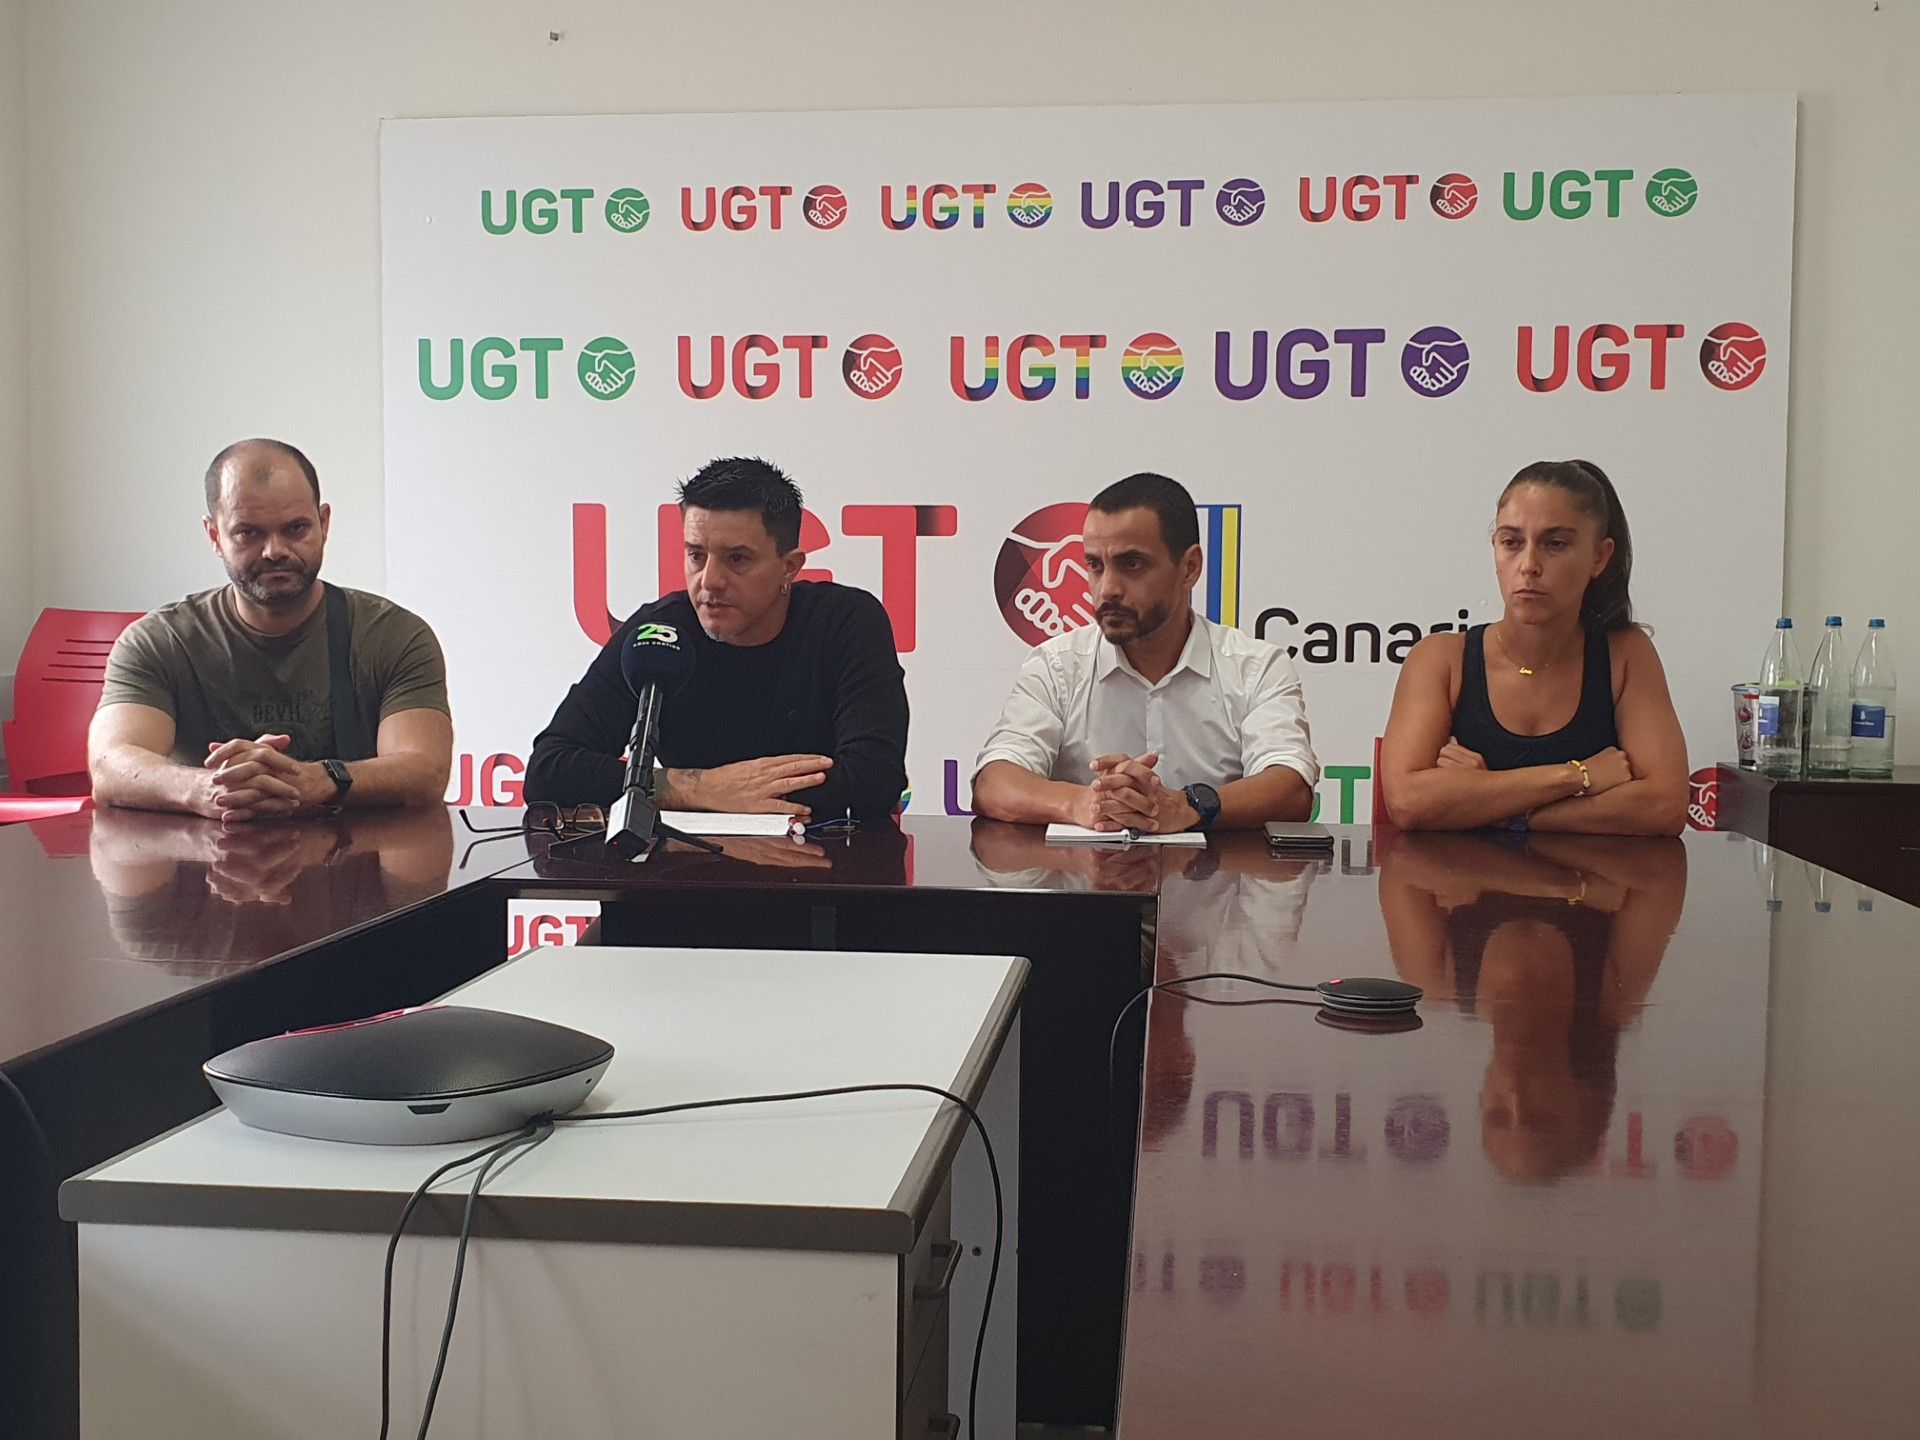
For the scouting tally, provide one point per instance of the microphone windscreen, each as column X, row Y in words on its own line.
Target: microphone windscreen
column 656, row 655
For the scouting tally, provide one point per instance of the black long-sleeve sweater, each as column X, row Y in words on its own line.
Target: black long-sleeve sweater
column 829, row 684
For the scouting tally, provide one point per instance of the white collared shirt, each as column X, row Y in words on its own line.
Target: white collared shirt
column 1230, row 707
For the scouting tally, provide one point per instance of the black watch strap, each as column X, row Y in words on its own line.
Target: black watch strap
column 338, row 773
column 1206, row 804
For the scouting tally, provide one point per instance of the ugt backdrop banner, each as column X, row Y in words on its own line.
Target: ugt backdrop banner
column 1342, row 326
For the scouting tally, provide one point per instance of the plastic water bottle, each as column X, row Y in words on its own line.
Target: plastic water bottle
column 1766, row 865
column 1873, row 706
column 1830, row 708
column 1781, row 698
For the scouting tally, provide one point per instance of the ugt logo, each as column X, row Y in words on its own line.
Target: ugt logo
column 540, row 211
column 871, row 367
column 1703, row 798
column 825, row 206
column 1672, row 192
column 1040, row 577
column 1434, row 362
column 653, row 633
column 1153, row 365
column 628, row 211
column 1453, row 196
column 1733, row 355
column 1240, row 202
column 606, row 368
column 1030, row 205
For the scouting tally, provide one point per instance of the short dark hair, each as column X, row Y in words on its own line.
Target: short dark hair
column 220, row 461
column 1606, row 606
column 1179, row 520
column 741, row 482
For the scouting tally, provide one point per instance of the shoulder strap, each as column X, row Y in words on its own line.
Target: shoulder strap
column 1473, row 660
column 1596, row 687
column 350, row 737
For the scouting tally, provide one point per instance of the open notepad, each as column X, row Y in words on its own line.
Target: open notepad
column 716, row 822
column 1081, row 835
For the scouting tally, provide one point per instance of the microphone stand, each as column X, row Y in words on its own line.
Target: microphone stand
column 640, row 827
column 634, row 825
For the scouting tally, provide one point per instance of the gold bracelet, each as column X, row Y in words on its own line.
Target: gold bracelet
column 1586, row 779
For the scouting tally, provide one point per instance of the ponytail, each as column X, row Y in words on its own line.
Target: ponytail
column 1606, row 606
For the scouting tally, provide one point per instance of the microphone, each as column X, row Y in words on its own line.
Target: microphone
column 655, row 664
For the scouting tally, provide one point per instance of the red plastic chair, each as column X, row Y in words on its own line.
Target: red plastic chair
column 15, row 808
column 62, row 670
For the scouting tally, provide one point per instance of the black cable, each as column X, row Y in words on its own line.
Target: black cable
column 33, row 1124
column 54, row 1177
column 528, row 1141
column 1113, row 1040
column 534, row 1131
column 993, row 1170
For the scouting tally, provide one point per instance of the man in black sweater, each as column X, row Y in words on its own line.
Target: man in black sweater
column 797, row 704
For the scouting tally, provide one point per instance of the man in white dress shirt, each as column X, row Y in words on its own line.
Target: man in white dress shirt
column 1153, row 718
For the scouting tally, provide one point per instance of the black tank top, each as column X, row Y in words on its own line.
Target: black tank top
column 1590, row 731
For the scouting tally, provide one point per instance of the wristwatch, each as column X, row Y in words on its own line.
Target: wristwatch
column 1206, row 802
column 338, row 773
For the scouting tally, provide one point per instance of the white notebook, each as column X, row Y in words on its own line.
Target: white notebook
column 717, row 822
column 1081, row 835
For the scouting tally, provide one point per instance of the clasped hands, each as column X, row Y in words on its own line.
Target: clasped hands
column 245, row 780
column 1128, row 794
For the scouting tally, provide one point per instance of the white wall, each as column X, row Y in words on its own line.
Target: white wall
column 16, row 578
column 204, row 221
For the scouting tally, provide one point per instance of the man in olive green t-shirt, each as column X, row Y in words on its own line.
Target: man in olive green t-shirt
column 224, row 704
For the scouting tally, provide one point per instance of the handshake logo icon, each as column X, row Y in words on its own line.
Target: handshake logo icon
column 1732, row 356
column 1240, row 202
column 606, row 368
column 628, row 211
column 872, row 366
column 1672, row 192
column 1153, row 365
column 1453, row 196
column 1435, row 361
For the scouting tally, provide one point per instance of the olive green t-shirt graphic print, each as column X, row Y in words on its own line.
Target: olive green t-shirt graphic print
column 221, row 680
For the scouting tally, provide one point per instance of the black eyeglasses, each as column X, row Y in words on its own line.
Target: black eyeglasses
column 542, row 817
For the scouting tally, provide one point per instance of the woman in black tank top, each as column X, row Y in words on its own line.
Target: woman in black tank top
column 1556, row 716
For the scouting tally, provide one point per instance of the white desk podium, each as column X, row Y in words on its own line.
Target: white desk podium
column 768, row 1270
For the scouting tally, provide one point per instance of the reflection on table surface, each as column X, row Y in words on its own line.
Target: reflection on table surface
column 918, row 853
column 109, row 910
column 1649, row 1162
column 1641, row 1170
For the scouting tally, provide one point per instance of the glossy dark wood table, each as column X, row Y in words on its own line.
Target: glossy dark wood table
column 1649, row 1163
column 1648, row 1166
column 137, row 945
column 1867, row 830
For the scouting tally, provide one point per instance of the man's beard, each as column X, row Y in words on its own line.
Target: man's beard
column 248, row 583
column 1143, row 623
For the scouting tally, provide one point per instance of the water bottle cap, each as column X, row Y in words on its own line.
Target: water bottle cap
column 1783, row 623
column 1833, row 620
column 1876, row 624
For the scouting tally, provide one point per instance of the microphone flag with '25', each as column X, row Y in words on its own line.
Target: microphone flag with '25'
column 655, row 663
